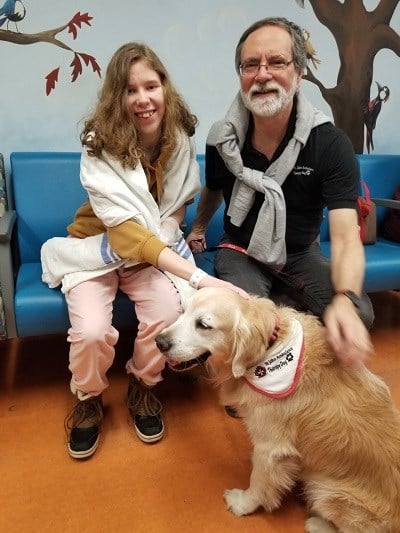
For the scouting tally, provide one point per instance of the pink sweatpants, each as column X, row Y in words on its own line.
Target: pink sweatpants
column 92, row 336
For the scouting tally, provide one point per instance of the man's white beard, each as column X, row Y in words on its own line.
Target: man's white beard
column 269, row 104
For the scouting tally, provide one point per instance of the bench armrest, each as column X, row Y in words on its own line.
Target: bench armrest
column 393, row 204
column 7, row 222
column 7, row 281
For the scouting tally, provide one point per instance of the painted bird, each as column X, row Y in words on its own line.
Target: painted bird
column 310, row 50
column 12, row 11
column 371, row 113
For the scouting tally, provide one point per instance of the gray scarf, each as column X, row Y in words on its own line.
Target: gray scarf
column 228, row 137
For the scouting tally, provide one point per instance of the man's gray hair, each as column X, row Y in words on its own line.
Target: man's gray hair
column 296, row 33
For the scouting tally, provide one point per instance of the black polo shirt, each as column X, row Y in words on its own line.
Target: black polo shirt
column 326, row 173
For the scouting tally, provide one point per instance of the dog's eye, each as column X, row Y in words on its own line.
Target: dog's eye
column 201, row 324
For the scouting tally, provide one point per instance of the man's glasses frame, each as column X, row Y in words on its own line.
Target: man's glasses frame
column 252, row 68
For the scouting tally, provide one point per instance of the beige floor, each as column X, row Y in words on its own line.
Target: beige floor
column 175, row 485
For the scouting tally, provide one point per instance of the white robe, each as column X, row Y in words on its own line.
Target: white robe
column 117, row 195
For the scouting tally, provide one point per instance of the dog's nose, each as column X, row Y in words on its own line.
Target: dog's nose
column 162, row 343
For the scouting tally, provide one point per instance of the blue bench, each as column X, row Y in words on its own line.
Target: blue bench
column 382, row 259
column 44, row 192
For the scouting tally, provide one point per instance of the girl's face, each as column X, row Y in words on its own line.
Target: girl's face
column 145, row 102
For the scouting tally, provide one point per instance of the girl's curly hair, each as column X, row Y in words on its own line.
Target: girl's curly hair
column 113, row 128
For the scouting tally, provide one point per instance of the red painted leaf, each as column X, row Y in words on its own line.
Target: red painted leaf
column 51, row 80
column 76, row 67
column 77, row 20
column 88, row 59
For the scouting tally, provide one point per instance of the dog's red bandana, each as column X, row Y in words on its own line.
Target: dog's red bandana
column 278, row 376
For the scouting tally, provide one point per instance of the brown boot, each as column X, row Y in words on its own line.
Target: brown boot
column 83, row 424
column 145, row 410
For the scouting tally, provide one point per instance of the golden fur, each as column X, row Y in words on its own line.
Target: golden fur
column 338, row 432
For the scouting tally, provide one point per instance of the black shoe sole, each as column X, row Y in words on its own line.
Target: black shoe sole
column 148, row 438
column 83, row 442
column 84, row 454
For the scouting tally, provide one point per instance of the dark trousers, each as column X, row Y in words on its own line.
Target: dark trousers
column 305, row 279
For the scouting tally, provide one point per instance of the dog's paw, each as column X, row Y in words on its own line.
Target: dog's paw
column 239, row 502
column 316, row 524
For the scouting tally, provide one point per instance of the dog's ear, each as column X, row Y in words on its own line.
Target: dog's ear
column 252, row 334
column 240, row 349
column 248, row 347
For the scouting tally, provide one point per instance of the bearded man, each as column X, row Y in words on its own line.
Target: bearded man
column 277, row 162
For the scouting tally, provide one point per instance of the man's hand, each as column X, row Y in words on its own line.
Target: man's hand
column 346, row 333
column 196, row 242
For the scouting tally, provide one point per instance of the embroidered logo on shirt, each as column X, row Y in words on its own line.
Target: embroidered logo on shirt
column 278, row 376
column 302, row 171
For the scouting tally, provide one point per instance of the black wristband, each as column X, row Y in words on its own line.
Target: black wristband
column 352, row 296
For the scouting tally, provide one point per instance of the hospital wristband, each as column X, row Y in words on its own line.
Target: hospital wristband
column 196, row 278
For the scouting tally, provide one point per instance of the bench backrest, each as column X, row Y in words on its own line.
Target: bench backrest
column 381, row 172
column 214, row 228
column 46, row 191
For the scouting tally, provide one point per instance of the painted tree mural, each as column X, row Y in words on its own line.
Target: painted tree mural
column 9, row 13
column 359, row 36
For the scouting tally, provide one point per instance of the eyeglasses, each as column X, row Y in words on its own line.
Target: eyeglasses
column 251, row 68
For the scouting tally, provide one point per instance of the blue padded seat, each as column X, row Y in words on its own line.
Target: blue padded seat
column 382, row 265
column 43, row 311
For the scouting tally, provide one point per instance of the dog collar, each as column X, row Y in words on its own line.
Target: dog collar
column 278, row 375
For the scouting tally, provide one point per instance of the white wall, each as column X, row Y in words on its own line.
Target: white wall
column 196, row 40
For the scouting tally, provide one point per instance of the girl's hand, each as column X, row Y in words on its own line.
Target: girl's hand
column 211, row 281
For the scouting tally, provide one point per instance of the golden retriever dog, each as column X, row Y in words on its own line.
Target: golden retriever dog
column 310, row 418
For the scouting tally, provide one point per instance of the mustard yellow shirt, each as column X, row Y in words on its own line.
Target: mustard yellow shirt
column 129, row 240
